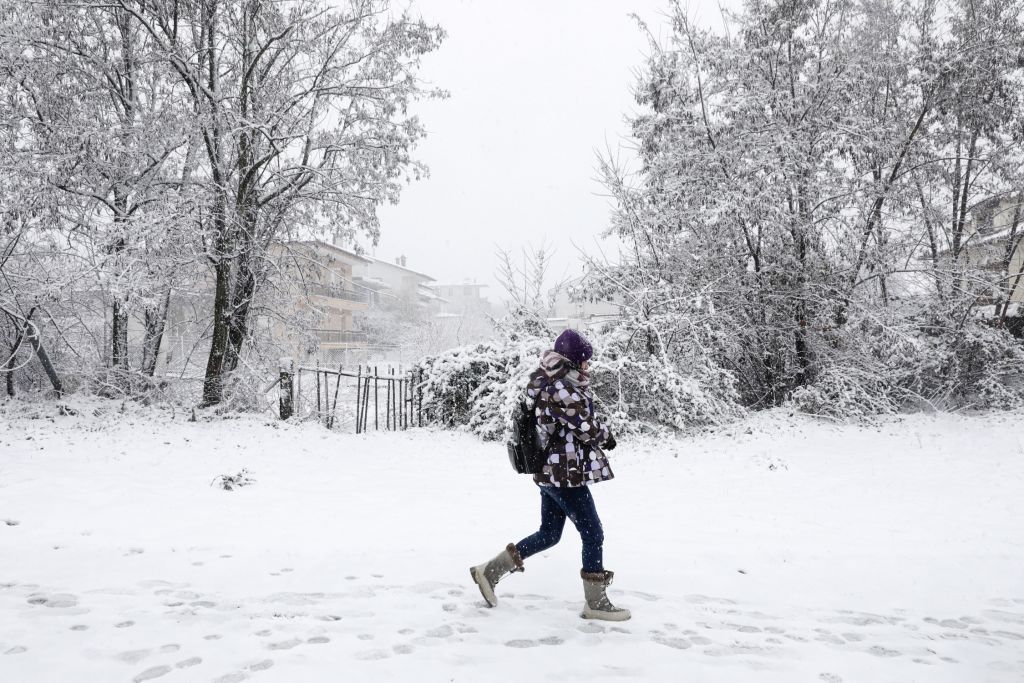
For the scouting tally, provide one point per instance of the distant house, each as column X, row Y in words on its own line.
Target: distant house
column 994, row 241
column 460, row 300
column 322, row 276
column 395, row 285
column 580, row 315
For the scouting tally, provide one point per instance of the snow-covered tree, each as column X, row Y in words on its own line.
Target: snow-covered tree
column 778, row 203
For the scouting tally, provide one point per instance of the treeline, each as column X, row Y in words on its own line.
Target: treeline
column 151, row 148
column 828, row 205
column 827, row 214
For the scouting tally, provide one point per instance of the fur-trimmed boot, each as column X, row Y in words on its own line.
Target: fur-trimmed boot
column 488, row 574
column 598, row 605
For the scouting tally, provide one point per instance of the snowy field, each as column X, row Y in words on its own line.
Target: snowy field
column 781, row 549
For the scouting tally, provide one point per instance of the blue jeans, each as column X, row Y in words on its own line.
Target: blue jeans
column 576, row 503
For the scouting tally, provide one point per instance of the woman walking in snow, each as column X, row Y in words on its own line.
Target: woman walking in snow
column 576, row 443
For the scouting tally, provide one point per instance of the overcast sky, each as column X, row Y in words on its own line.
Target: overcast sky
column 538, row 87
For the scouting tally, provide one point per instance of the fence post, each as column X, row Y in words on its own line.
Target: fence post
column 318, row 391
column 287, row 402
column 359, row 403
column 419, row 397
column 366, row 399
column 337, row 388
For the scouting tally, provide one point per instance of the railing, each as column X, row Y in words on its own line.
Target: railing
column 338, row 292
column 340, row 336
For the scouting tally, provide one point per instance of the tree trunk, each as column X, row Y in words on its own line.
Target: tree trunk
column 32, row 334
column 11, row 362
column 156, row 321
column 241, row 304
column 1010, row 283
column 213, row 382
column 119, row 335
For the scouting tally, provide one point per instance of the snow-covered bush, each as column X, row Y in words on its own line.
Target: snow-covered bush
column 888, row 363
column 478, row 386
column 972, row 366
column 640, row 390
column 847, row 392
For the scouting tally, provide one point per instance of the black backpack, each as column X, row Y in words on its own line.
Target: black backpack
column 526, row 449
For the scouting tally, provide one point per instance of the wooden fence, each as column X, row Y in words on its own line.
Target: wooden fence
column 361, row 399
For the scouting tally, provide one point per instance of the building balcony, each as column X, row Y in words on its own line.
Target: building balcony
column 338, row 292
column 341, row 338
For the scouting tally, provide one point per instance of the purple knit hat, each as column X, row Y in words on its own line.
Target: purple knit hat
column 574, row 346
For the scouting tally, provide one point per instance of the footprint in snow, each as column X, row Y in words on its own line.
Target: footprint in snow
column 56, row 601
column 440, row 632
column 150, row 674
column 236, row 677
column 124, row 624
column 190, row 662
column 403, row 649
column 318, row 640
column 676, row 643
column 521, row 643
column 11, row 522
column 284, row 644
column 132, row 656
column 705, row 599
column 16, row 650
column 643, row 596
column 828, row 637
column 830, row 678
column 880, row 651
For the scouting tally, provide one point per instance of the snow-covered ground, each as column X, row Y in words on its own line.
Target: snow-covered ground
column 781, row 549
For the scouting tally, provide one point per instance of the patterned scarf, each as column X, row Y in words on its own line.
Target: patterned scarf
column 557, row 366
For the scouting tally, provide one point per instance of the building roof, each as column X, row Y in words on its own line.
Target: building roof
column 320, row 244
column 457, row 284
column 429, row 294
column 377, row 261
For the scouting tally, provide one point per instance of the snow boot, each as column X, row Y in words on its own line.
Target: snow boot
column 488, row 574
column 598, row 605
